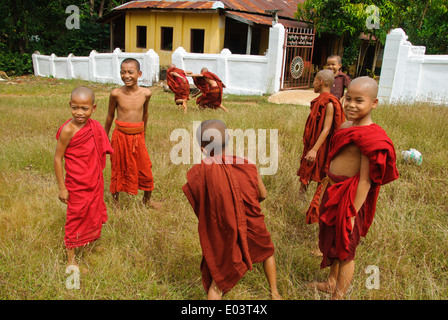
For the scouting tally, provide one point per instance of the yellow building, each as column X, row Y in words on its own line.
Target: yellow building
column 198, row 26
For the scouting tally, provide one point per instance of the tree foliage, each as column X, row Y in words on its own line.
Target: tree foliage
column 40, row 25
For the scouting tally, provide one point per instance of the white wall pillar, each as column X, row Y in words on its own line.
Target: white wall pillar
column 275, row 55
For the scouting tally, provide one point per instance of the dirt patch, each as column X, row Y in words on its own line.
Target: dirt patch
column 300, row 97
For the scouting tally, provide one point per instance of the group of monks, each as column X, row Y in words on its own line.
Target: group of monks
column 348, row 156
column 208, row 83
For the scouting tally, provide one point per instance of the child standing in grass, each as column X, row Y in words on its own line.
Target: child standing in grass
column 326, row 115
column 341, row 80
column 130, row 163
column 225, row 192
column 83, row 143
column 361, row 159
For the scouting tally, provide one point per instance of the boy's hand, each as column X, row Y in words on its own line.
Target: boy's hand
column 63, row 196
column 311, row 156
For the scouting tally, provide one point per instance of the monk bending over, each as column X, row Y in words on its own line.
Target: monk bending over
column 361, row 159
column 225, row 192
column 130, row 163
column 211, row 88
column 178, row 83
column 83, row 143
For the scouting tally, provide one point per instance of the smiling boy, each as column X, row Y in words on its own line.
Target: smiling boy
column 83, row 144
column 341, row 80
column 361, row 159
column 130, row 163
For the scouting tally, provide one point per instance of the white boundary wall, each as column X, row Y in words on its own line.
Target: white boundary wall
column 408, row 75
column 97, row 67
column 242, row 74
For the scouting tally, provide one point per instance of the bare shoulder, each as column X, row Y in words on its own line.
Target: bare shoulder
column 115, row 92
column 146, row 91
column 67, row 132
column 346, row 124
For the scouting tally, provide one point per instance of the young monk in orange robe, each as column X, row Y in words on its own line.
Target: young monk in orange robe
column 83, row 143
column 326, row 115
column 130, row 163
column 178, row 83
column 225, row 192
column 211, row 88
column 361, row 159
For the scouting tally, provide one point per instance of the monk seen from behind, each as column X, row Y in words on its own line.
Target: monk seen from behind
column 361, row 159
column 225, row 192
column 130, row 163
column 82, row 144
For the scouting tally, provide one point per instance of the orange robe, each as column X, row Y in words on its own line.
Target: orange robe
column 130, row 163
column 180, row 88
column 211, row 96
column 316, row 170
column 224, row 194
column 336, row 240
column 85, row 160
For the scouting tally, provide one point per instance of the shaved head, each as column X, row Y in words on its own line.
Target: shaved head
column 327, row 77
column 336, row 57
column 132, row 60
column 365, row 84
column 212, row 135
column 172, row 66
column 204, row 70
column 83, row 93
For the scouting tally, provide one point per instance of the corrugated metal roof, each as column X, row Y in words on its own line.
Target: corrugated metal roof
column 164, row 4
column 253, row 10
column 264, row 20
column 288, row 7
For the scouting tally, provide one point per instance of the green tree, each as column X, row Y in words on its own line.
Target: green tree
column 349, row 19
column 40, row 25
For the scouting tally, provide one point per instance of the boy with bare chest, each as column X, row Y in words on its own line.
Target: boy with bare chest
column 361, row 159
column 131, row 165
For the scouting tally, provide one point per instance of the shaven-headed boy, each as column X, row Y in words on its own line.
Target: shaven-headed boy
column 341, row 80
column 83, row 144
column 361, row 159
column 130, row 163
column 326, row 115
column 225, row 192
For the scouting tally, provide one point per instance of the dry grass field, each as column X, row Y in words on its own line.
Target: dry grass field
column 148, row 254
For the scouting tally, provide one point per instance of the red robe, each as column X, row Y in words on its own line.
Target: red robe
column 336, row 211
column 231, row 227
column 85, row 160
column 316, row 170
column 180, row 88
column 130, row 163
column 211, row 96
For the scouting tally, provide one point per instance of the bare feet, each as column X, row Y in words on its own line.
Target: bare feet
column 316, row 253
column 276, row 296
column 322, row 286
column 213, row 292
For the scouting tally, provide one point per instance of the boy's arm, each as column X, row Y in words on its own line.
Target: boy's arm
column 261, row 189
column 110, row 112
column 328, row 122
column 175, row 74
column 63, row 141
column 363, row 186
column 145, row 109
